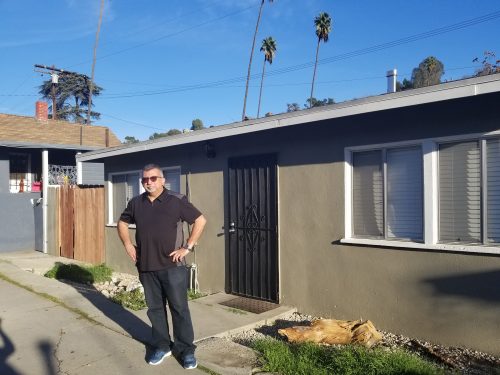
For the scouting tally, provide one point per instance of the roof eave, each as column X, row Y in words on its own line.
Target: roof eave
column 442, row 92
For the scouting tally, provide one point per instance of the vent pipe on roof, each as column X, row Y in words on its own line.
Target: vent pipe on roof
column 392, row 76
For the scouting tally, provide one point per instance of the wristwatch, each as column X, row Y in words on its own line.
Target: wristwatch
column 189, row 248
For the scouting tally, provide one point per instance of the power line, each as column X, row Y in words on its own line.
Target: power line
column 180, row 16
column 348, row 55
column 167, row 35
column 131, row 122
column 292, row 84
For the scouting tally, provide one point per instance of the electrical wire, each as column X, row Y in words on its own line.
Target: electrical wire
column 348, row 55
column 167, row 35
column 131, row 122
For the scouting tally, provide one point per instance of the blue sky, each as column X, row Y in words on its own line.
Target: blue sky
column 164, row 63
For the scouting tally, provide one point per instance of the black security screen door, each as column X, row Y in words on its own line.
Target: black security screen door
column 252, row 227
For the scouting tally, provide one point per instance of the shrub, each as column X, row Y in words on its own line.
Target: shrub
column 80, row 274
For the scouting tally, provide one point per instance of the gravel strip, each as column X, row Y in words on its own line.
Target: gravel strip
column 461, row 360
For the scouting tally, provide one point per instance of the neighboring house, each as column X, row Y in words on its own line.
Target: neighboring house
column 34, row 151
column 384, row 208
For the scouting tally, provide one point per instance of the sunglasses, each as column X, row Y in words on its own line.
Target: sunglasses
column 145, row 180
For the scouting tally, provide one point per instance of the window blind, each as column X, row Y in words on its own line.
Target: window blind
column 460, row 192
column 368, row 194
column 493, row 189
column 404, row 193
column 173, row 179
column 119, row 193
column 125, row 187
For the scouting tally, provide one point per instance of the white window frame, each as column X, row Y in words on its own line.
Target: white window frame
column 28, row 175
column 430, row 195
column 109, row 184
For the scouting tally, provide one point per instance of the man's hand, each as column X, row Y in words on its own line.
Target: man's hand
column 132, row 252
column 179, row 254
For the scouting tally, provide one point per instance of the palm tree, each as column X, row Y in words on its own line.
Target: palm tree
column 323, row 24
column 269, row 49
column 251, row 57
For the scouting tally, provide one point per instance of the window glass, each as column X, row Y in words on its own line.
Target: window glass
column 404, row 193
column 172, row 179
column 493, row 189
column 128, row 185
column 125, row 187
column 367, row 194
column 460, row 192
column 19, row 173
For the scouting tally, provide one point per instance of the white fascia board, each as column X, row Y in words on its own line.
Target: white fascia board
column 442, row 92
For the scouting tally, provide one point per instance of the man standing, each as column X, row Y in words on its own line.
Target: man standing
column 159, row 256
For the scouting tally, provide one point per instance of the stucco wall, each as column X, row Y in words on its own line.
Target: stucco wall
column 4, row 170
column 17, row 231
column 445, row 297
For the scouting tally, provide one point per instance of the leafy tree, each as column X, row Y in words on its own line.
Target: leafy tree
column 490, row 64
column 251, row 57
column 269, row 49
column 167, row 134
column 130, row 140
column 292, row 107
column 197, row 124
column 156, row 135
column 405, row 85
column 173, row 132
column 428, row 73
column 72, row 97
column 323, row 24
column 313, row 102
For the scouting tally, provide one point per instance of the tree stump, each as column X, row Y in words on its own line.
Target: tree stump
column 332, row 331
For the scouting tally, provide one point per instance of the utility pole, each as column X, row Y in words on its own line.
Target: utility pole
column 55, row 80
column 93, row 61
column 54, row 74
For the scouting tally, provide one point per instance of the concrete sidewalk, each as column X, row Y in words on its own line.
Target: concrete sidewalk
column 48, row 327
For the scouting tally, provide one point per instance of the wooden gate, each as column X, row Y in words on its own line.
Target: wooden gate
column 81, row 223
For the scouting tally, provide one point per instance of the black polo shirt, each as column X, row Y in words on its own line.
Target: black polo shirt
column 158, row 227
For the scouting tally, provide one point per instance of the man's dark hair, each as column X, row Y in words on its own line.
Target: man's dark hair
column 148, row 167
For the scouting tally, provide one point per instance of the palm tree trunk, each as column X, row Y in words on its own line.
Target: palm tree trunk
column 261, row 83
column 250, row 62
column 93, row 62
column 314, row 74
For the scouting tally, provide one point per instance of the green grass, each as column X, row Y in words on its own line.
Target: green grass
column 132, row 300
column 80, row 274
column 311, row 359
column 194, row 295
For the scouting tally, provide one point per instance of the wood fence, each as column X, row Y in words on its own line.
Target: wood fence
column 81, row 223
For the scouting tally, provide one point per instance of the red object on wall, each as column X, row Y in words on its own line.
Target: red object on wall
column 36, row 186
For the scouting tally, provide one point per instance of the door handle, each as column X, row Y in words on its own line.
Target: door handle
column 232, row 228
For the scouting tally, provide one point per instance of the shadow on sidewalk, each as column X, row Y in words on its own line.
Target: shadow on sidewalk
column 130, row 323
column 6, row 351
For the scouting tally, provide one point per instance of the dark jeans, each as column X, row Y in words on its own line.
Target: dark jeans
column 169, row 285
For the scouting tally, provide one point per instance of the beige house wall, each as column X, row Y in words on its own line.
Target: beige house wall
column 444, row 297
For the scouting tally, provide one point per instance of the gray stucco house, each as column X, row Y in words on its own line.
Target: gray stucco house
column 384, row 208
column 33, row 150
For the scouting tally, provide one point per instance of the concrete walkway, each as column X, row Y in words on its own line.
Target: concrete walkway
column 48, row 327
